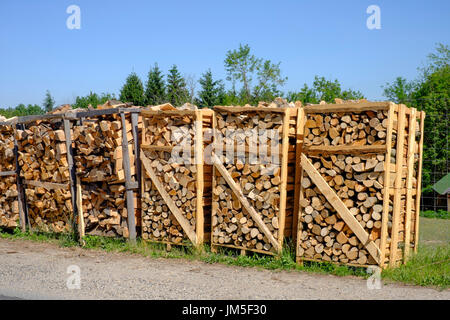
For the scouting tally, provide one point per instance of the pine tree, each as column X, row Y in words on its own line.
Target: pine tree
column 212, row 92
column 177, row 93
column 49, row 102
column 155, row 92
column 133, row 90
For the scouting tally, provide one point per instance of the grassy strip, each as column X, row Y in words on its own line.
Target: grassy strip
column 224, row 256
column 440, row 214
column 429, row 267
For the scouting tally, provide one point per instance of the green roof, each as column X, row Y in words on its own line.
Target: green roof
column 443, row 185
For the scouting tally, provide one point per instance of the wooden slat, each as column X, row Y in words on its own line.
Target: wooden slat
column 419, row 182
column 7, row 173
column 79, row 199
column 248, row 109
column 238, row 192
column 340, row 207
column 47, row 185
column 23, row 210
column 198, row 156
column 386, row 188
column 184, row 223
column 283, row 182
column 410, row 163
column 71, row 168
column 347, row 107
column 298, row 172
column 214, row 204
column 397, row 186
column 345, row 149
column 131, row 214
column 166, row 113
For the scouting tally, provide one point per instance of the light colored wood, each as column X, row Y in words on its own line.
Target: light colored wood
column 410, row 163
column 247, row 109
column 342, row 149
column 341, row 208
column 242, row 199
column 81, row 226
column 386, row 189
column 419, row 182
column 347, row 107
column 298, row 171
column 168, row 200
column 284, row 167
column 397, row 186
column 199, row 181
column 46, row 185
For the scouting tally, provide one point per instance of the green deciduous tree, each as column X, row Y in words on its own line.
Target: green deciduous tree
column 155, row 91
column 49, row 102
column 212, row 91
column 177, row 93
column 242, row 66
column 22, row 110
column 399, row 91
column 133, row 90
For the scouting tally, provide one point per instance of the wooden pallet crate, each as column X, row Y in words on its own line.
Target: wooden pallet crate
column 11, row 191
column 106, row 154
column 45, row 164
column 176, row 179
column 350, row 199
column 253, row 195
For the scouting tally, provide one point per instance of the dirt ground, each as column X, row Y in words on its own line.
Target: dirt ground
column 31, row 270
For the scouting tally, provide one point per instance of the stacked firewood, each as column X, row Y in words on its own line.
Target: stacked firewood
column 179, row 181
column 99, row 167
column 44, row 168
column 9, row 205
column 169, row 131
column 357, row 129
column 358, row 181
column 259, row 182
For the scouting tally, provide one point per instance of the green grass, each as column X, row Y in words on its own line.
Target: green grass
column 440, row 214
column 429, row 267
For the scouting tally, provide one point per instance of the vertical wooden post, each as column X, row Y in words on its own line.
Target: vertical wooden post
column 20, row 192
column 410, row 163
column 298, row 171
column 397, row 185
column 198, row 158
column 386, row 188
column 419, row 181
column 284, row 167
column 214, row 204
column 72, row 174
column 137, row 159
column 128, row 184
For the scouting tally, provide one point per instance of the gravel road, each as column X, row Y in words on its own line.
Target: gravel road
column 31, row 270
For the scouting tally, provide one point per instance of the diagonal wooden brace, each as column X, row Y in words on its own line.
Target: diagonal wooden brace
column 340, row 207
column 184, row 223
column 238, row 192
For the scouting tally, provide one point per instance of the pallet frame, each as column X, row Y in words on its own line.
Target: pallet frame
column 403, row 114
column 196, row 237
column 277, row 243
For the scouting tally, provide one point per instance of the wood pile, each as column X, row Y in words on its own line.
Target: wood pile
column 250, row 206
column 176, row 196
column 9, row 205
column 358, row 189
column 42, row 157
column 100, row 169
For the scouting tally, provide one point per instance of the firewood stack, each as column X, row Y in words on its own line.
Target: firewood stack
column 358, row 181
column 356, row 129
column 44, row 167
column 259, row 179
column 9, row 205
column 99, row 167
column 179, row 182
column 171, row 153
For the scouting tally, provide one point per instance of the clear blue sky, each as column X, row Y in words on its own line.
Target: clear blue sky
column 327, row 38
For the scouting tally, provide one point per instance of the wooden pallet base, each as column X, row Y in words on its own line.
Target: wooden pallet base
column 300, row 261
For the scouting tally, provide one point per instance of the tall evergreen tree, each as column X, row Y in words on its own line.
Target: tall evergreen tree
column 177, row 93
column 49, row 102
column 211, row 93
column 155, row 91
column 133, row 90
